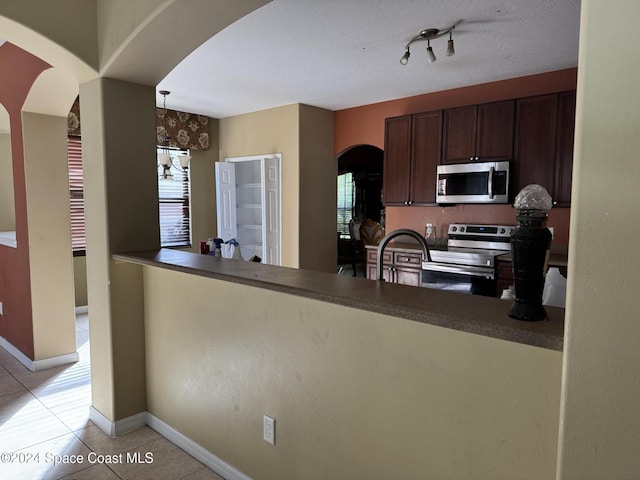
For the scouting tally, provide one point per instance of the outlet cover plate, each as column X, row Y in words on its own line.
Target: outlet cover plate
column 269, row 430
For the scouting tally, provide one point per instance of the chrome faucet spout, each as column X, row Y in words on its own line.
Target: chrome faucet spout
column 396, row 233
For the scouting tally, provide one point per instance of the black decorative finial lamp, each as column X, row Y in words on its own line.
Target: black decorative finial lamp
column 530, row 246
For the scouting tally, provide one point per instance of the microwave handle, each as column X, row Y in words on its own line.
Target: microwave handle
column 490, row 182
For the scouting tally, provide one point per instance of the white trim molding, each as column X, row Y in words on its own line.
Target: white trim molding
column 121, row 427
column 37, row 365
column 197, row 451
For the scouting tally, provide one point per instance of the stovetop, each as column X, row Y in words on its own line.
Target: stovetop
column 473, row 244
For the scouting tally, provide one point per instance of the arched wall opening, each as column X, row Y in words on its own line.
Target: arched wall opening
column 359, row 198
column 364, row 162
column 7, row 200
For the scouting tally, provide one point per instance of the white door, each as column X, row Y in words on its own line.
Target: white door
column 226, row 200
column 271, row 226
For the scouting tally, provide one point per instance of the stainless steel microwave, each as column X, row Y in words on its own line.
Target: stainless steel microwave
column 479, row 182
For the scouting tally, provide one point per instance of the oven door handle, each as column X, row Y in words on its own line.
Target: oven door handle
column 490, row 182
column 463, row 270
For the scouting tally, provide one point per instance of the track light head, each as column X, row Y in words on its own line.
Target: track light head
column 431, row 57
column 405, row 58
column 451, row 51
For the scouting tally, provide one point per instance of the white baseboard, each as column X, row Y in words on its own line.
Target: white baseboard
column 37, row 365
column 198, row 452
column 121, row 427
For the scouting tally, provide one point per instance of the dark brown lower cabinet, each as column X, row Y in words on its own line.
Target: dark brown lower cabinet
column 505, row 276
column 404, row 268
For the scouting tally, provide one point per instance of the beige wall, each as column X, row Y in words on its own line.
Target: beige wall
column 203, row 189
column 318, row 191
column 80, row 280
column 271, row 131
column 354, row 394
column 121, row 213
column 304, row 136
column 50, row 260
column 7, row 203
column 600, row 422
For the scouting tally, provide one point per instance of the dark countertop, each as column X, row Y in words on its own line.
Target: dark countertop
column 469, row 313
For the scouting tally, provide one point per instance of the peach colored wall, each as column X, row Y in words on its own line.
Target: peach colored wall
column 365, row 125
column 18, row 72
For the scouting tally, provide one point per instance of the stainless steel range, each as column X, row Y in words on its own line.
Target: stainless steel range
column 469, row 262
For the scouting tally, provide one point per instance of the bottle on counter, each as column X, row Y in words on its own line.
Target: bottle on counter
column 555, row 288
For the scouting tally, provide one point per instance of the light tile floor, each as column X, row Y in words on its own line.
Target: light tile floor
column 45, row 429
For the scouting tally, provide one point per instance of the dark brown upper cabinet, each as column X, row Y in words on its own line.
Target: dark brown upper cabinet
column 396, row 174
column 564, row 156
column 479, row 132
column 535, row 144
column 411, row 155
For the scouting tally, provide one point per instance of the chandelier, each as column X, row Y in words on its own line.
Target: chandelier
column 166, row 155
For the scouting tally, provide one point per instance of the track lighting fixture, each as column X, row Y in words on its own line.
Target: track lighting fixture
column 429, row 34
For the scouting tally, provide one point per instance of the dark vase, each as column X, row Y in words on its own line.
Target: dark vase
column 530, row 244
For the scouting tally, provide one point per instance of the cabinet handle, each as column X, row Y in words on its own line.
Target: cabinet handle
column 410, row 202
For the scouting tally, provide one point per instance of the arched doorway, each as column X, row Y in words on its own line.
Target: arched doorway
column 359, row 198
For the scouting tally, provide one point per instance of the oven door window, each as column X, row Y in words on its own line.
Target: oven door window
column 458, row 282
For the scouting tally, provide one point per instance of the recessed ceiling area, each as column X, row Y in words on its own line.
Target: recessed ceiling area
column 338, row 54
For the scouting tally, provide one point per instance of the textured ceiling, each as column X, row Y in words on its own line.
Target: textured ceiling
column 336, row 54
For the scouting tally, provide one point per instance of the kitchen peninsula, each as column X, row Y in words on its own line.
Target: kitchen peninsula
column 468, row 313
column 326, row 353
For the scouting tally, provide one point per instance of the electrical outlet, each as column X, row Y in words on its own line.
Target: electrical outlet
column 1, row 311
column 269, row 430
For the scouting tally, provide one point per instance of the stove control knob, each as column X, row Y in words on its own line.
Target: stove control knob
column 454, row 229
column 462, row 229
column 503, row 231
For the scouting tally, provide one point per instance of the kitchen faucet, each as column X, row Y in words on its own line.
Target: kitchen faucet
column 396, row 233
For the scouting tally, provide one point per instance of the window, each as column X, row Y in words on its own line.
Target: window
column 76, row 196
column 346, row 198
column 174, row 193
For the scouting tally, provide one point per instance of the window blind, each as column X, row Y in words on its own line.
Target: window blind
column 346, row 196
column 175, row 220
column 76, row 195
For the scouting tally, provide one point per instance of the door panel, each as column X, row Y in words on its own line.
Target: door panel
column 226, row 200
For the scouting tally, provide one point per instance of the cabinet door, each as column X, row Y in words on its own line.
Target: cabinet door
column 408, row 268
column 408, row 276
column 535, row 144
column 564, row 158
column 459, row 136
column 397, row 158
column 426, row 152
column 505, row 276
column 495, row 131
